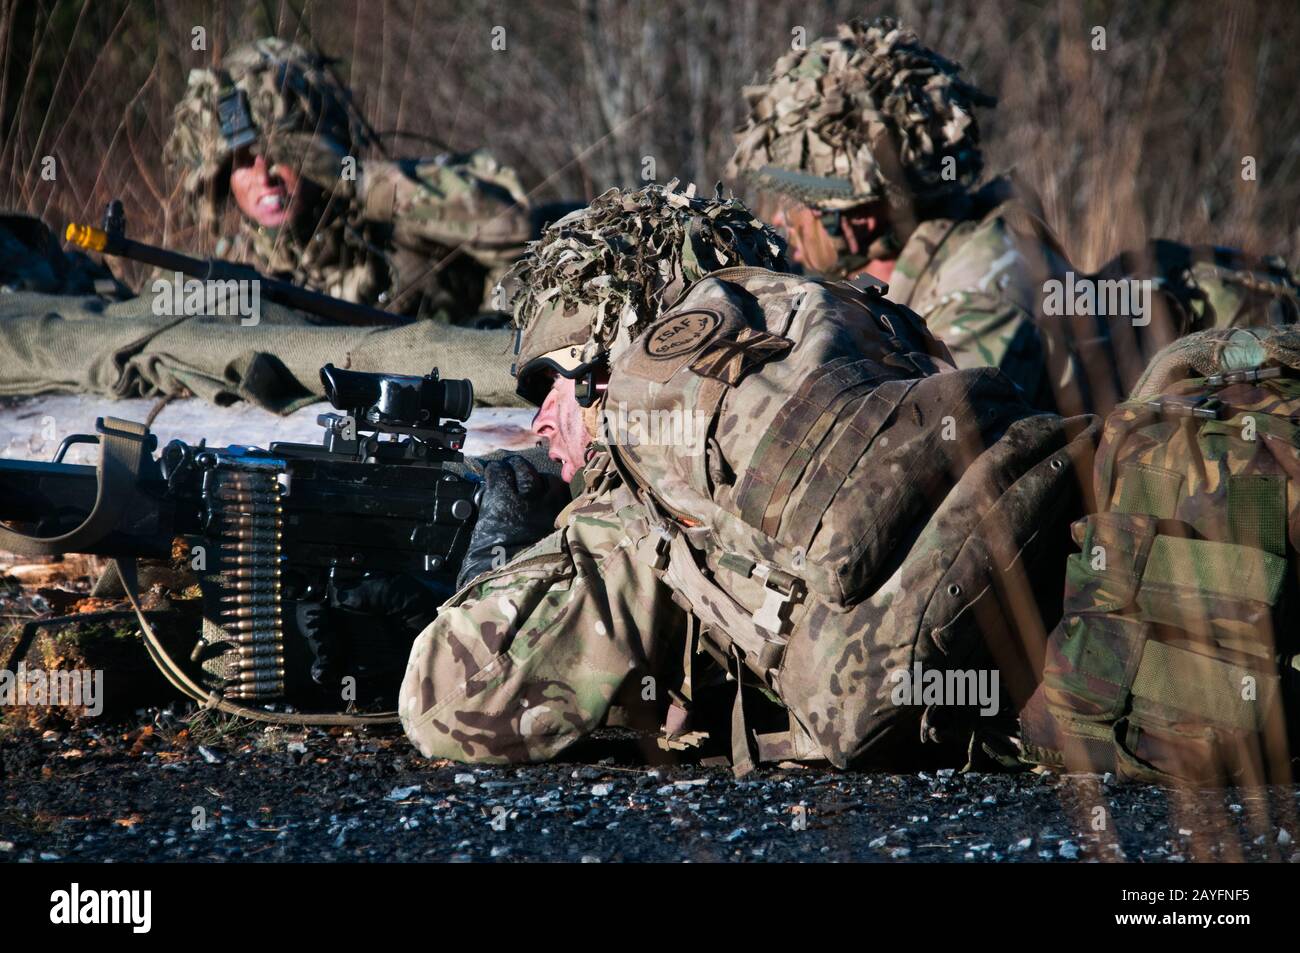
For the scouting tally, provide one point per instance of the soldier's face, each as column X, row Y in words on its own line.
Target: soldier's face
column 810, row 244
column 814, row 247
column 265, row 195
column 560, row 424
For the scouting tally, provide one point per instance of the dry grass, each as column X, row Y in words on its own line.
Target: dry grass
column 1144, row 139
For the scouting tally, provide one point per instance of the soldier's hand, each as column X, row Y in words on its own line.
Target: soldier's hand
column 323, row 641
column 407, row 603
column 518, row 507
column 364, row 630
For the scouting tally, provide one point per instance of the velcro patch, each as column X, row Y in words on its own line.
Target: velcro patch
column 729, row 359
column 669, row 345
column 680, row 334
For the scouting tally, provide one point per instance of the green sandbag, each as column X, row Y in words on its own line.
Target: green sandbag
column 53, row 343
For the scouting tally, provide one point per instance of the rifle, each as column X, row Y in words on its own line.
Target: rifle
column 267, row 532
column 111, row 239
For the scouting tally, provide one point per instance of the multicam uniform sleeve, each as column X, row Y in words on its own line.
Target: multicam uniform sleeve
column 459, row 201
column 528, row 659
column 979, row 295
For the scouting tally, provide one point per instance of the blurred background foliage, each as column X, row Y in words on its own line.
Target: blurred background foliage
column 1144, row 139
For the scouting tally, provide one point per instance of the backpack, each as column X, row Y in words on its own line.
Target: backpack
column 1174, row 656
column 852, row 512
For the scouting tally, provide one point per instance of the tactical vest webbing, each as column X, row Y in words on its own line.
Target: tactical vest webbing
column 829, row 445
column 1176, row 648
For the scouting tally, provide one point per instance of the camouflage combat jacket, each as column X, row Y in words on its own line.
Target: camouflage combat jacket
column 850, row 507
column 977, row 279
column 426, row 238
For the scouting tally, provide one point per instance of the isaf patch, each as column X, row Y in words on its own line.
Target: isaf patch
column 729, row 359
column 680, row 334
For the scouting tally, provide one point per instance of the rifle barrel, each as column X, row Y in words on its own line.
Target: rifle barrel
column 89, row 238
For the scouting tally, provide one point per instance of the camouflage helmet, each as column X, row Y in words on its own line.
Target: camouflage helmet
column 599, row 276
column 267, row 86
column 866, row 115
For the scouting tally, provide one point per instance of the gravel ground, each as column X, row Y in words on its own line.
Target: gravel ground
column 163, row 789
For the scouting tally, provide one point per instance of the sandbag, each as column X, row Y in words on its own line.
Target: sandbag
column 52, row 343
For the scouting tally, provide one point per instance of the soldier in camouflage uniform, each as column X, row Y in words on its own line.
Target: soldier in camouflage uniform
column 866, row 148
column 272, row 128
column 849, row 509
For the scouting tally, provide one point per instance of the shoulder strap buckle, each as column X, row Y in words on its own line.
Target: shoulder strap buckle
column 1204, row 407
column 653, row 547
column 1247, row 376
column 779, row 589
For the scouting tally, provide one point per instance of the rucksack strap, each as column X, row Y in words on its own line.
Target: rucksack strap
column 850, row 440
column 719, row 610
column 742, row 758
column 1115, row 435
column 795, row 432
column 749, row 748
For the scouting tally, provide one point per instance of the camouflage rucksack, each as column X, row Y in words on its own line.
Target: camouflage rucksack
column 840, row 509
column 1177, row 648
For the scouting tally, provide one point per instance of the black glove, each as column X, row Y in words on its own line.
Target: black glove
column 322, row 642
column 407, row 604
column 367, row 628
column 519, row 507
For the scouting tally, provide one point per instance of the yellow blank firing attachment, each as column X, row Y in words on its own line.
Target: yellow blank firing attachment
column 86, row 236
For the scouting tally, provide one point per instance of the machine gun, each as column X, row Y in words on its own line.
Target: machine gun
column 267, row 532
